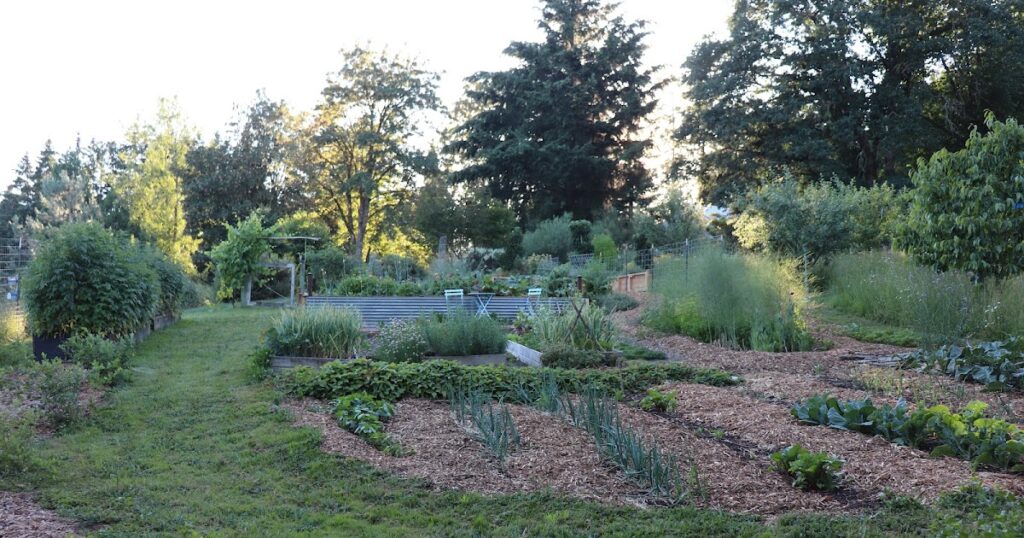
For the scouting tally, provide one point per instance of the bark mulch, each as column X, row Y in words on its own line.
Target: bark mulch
column 872, row 464
column 21, row 517
column 553, row 454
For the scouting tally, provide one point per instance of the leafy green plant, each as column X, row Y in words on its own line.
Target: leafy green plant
column 552, row 237
column 604, row 248
column 106, row 359
column 965, row 209
column 461, row 333
column 809, row 470
column 401, row 341
column 364, row 415
column 597, row 278
column 616, row 302
column 393, row 381
column 316, row 332
column 495, row 429
column 84, row 278
column 999, row 365
column 174, row 284
column 238, row 257
column 655, row 400
column 737, row 300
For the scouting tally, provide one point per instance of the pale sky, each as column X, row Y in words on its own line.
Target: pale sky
column 93, row 67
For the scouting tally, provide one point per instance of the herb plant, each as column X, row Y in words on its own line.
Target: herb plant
column 809, row 470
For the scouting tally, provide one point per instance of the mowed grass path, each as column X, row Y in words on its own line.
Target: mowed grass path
column 190, row 447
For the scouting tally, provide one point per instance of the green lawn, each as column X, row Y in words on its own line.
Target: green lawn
column 190, row 447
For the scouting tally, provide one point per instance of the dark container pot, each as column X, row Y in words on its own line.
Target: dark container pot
column 48, row 346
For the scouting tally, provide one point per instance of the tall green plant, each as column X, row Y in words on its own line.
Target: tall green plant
column 967, row 210
column 316, row 332
column 238, row 257
column 463, row 334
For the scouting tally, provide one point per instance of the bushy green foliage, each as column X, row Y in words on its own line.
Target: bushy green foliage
column 559, row 281
column 461, row 333
column 977, row 510
column 401, row 341
column 999, row 365
column 737, row 300
column 569, row 357
column 316, row 332
column 604, row 248
column 672, row 221
column 238, row 257
column 617, row 302
column 495, row 429
column 967, row 210
column 655, row 400
column 331, row 263
column 373, row 286
column 84, row 278
column 364, row 416
column 432, row 379
column 552, row 237
column 581, row 231
column 969, row 434
column 16, row 453
column 939, row 307
column 809, row 470
column 818, row 219
column 597, row 278
column 174, row 284
column 58, row 385
column 108, row 360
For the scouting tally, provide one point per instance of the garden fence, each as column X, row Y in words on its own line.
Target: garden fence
column 15, row 253
column 635, row 261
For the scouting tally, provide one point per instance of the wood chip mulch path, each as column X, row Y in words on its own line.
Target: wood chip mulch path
column 21, row 517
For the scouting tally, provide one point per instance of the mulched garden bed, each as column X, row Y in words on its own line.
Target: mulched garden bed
column 22, row 517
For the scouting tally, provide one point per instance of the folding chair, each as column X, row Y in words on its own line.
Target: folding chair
column 533, row 298
column 449, row 295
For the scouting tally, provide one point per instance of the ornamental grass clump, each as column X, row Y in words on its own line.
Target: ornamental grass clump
column 737, row 300
column 316, row 332
column 460, row 333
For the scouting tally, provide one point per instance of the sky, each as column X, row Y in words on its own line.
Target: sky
column 91, row 69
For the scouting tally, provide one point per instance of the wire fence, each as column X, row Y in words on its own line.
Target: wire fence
column 635, row 261
column 15, row 254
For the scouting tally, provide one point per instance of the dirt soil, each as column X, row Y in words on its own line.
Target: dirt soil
column 21, row 517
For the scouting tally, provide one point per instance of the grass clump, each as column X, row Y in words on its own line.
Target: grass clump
column 549, row 329
column 939, row 307
column 737, row 300
column 495, row 429
column 316, row 332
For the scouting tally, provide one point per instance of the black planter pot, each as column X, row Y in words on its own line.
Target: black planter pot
column 48, row 347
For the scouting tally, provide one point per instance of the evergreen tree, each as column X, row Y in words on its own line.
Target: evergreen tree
column 559, row 133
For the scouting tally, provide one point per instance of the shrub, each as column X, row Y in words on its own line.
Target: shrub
column 58, row 385
column 331, row 264
column 513, row 251
column 742, row 301
column 316, row 332
column 433, row 379
column 597, row 278
column 581, row 240
column 567, row 357
column 174, row 284
column 604, row 248
column 617, row 302
column 16, row 454
column 401, row 341
column 84, row 278
column 495, row 430
column 552, row 237
column 967, row 208
column 655, row 400
column 460, row 333
column 238, row 257
column 107, row 359
column 364, row 416
column 809, row 470
column 559, row 281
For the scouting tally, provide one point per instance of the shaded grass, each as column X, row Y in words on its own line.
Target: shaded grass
column 864, row 329
column 188, row 448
